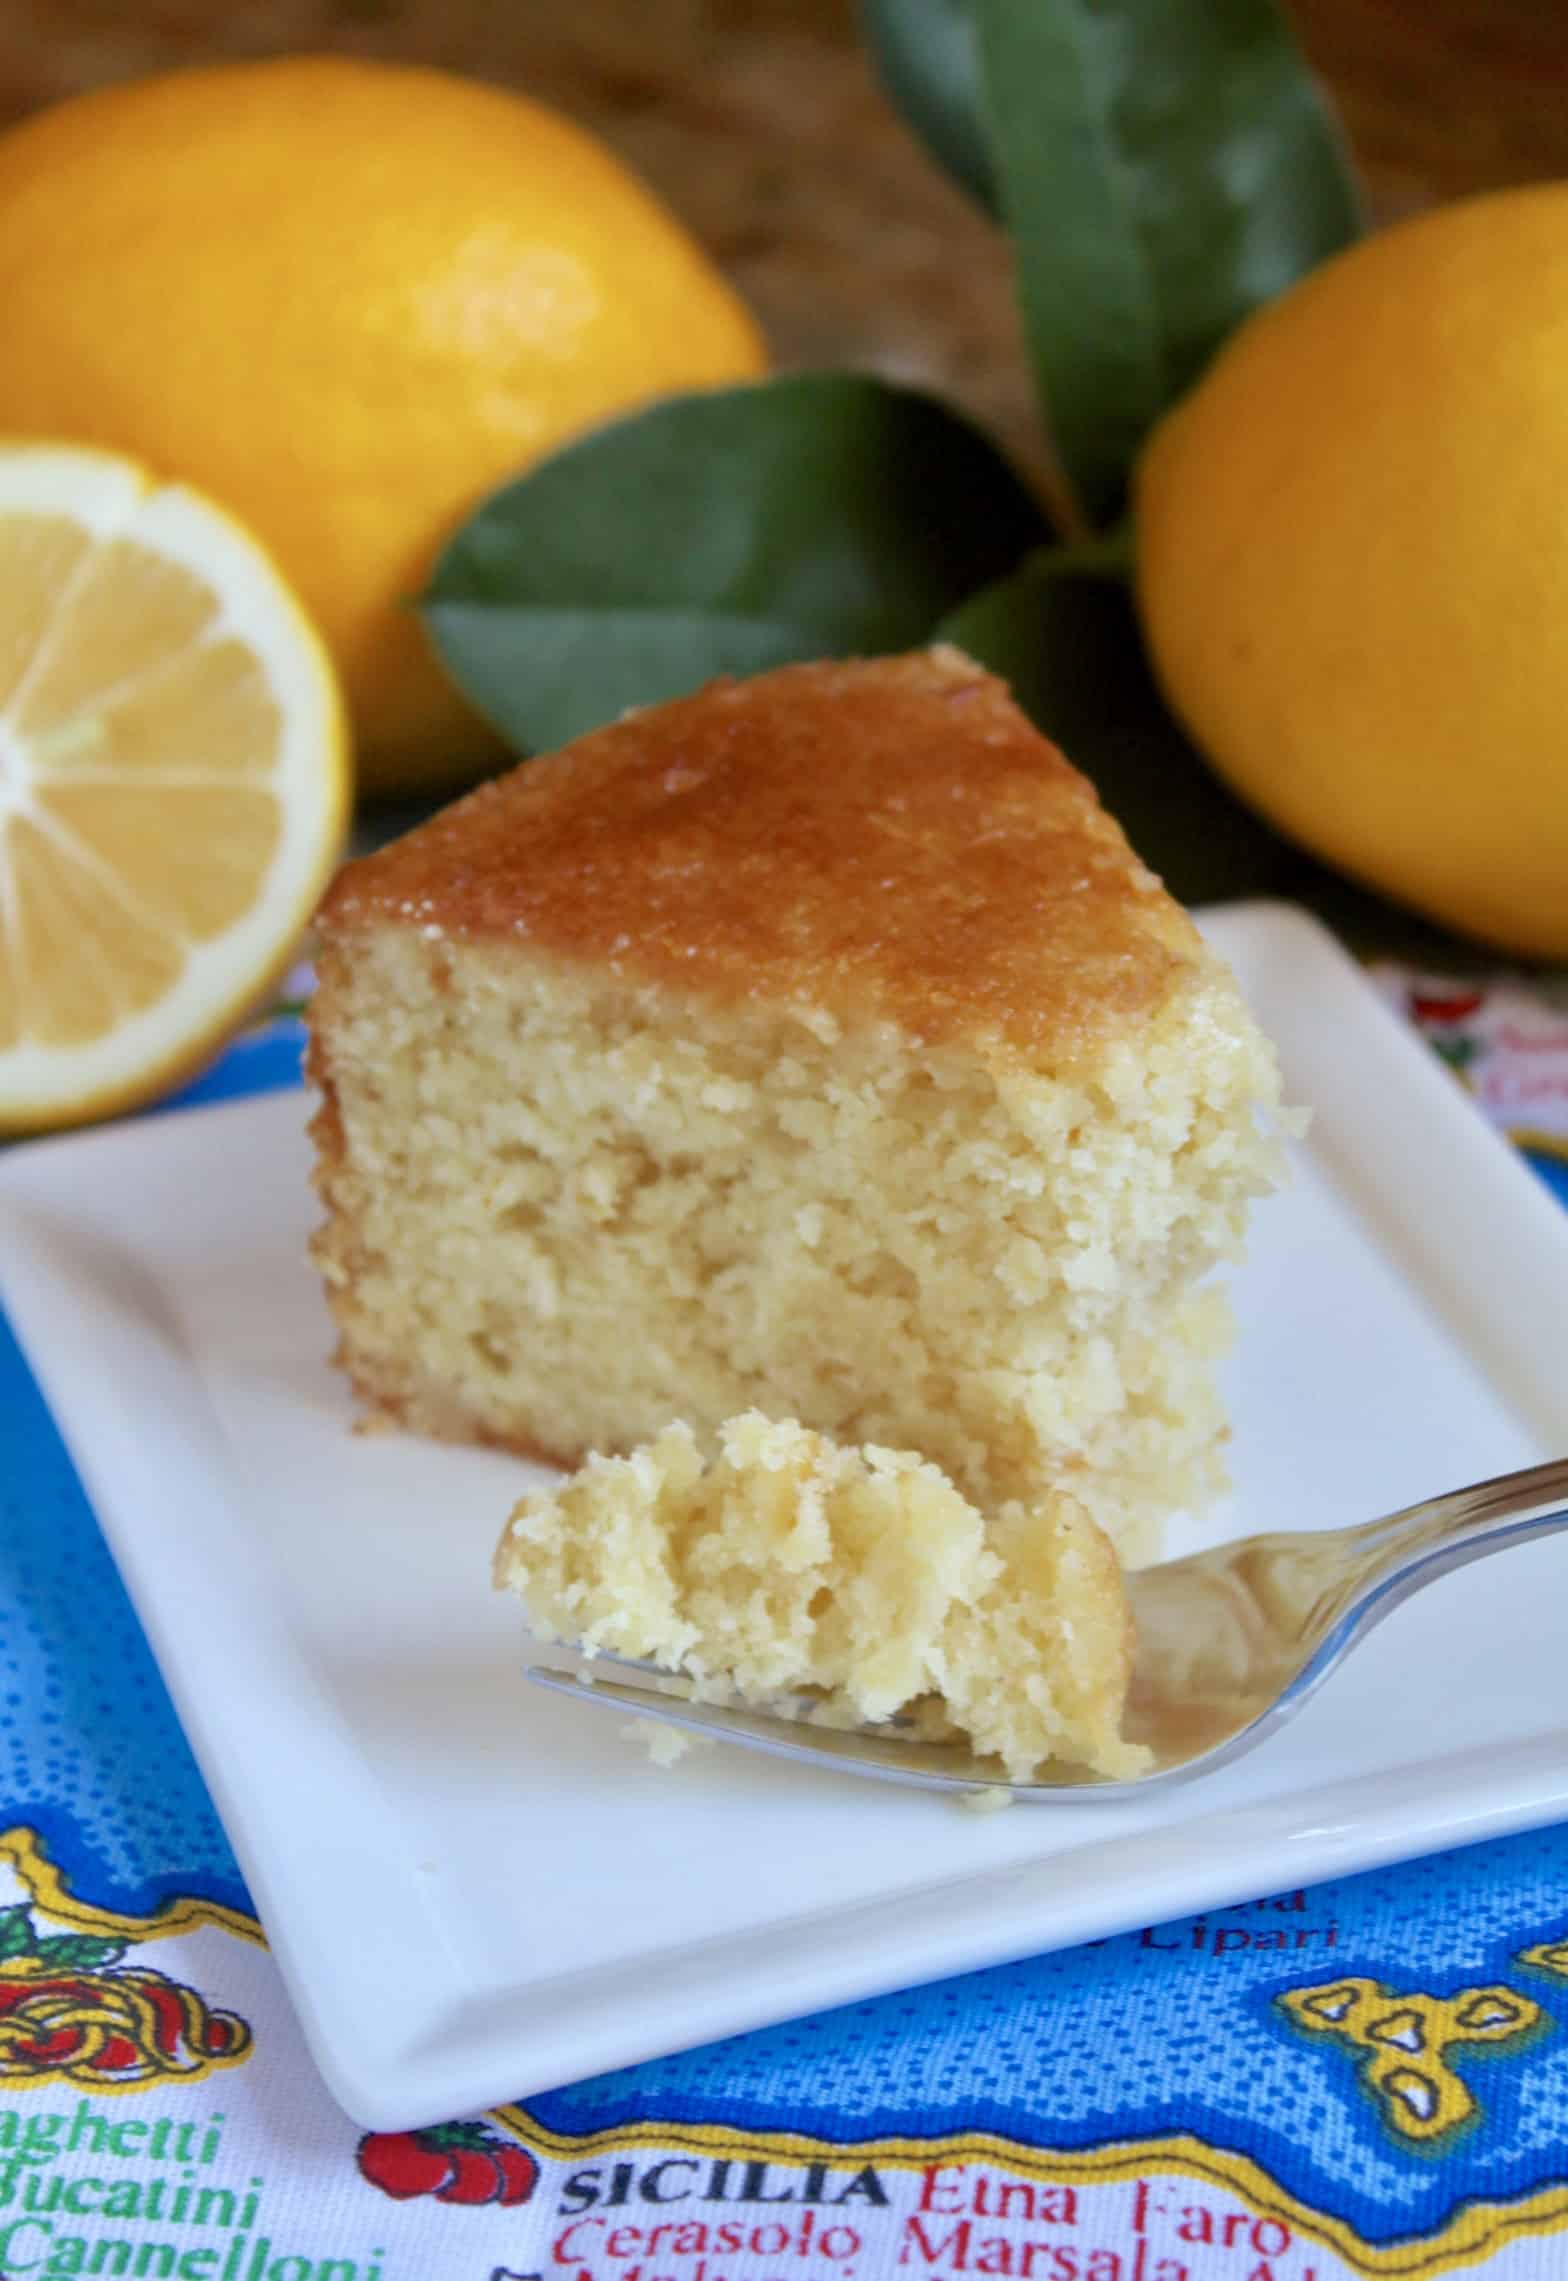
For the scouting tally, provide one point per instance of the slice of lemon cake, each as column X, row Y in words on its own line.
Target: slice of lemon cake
column 813, row 1044
column 786, row 1562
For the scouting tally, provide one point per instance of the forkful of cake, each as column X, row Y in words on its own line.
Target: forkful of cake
column 849, row 1608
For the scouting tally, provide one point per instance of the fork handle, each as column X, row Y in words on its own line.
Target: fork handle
column 1413, row 1547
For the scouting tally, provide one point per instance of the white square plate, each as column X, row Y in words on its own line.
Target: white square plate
column 412, row 1817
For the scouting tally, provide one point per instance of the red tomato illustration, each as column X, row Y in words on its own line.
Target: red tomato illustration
column 476, row 2177
column 403, row 2163
column 519, row 2170
column 456, row 2162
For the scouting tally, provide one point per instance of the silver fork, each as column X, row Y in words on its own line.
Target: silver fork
column 1231, row 1643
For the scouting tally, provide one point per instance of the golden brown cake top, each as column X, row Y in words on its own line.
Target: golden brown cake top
column 888, row 839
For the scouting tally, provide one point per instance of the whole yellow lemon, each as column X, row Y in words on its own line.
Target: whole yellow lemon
column 345, row 299
column 1353, row 564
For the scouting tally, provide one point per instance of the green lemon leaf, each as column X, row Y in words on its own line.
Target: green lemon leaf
column 1064, row 632
column 1165, row 166
column 726, row 532
column 927, row 54
column 17, row 1937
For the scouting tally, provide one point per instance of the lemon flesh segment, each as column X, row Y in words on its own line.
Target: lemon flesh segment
column 174, row 781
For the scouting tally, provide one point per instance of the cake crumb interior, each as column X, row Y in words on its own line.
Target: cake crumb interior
column 564, row 1207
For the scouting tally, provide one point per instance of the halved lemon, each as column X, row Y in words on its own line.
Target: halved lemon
column 174, row 781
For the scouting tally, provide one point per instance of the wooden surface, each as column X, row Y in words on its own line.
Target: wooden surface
column 759, row 121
